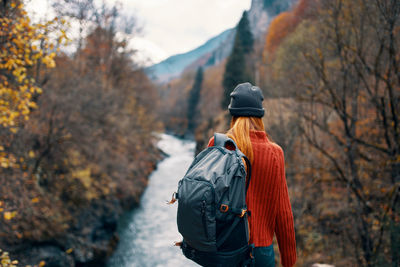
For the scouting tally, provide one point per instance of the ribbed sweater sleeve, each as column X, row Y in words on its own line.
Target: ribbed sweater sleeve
column 284, row 226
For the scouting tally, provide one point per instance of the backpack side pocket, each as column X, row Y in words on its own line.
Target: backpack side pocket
column 196, row 214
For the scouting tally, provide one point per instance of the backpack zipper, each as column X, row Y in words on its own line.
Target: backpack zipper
column 203, row 211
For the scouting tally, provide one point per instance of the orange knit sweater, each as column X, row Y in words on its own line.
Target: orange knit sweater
column 268, row 198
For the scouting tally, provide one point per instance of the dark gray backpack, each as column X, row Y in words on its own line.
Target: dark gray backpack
column 212, row 211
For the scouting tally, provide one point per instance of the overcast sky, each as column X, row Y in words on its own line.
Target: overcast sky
column 173, row 26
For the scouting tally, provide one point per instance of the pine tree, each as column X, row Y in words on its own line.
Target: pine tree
column 234, row 73
column 235, row 68
column 243, row 31
column 194, row 97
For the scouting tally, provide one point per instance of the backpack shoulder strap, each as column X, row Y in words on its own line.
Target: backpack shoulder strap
column 248, row 172
column 221, row 140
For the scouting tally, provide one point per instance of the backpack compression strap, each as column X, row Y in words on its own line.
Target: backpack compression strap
column 222, row 140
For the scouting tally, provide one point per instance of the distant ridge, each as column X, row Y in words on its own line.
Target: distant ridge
column 174, row 65
column 219, row 47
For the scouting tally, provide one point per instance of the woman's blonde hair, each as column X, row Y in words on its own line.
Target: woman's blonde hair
column 240, row 132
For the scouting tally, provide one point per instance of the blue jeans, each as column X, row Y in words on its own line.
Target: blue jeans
column 264, row 256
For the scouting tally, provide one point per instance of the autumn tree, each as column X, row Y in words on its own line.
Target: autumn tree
column 82, row 11
column 344, row 72
column 26, row 54
column 26, row 50
column 282, row 26
column 88, row 147
column 279, row 28
column 285, row 23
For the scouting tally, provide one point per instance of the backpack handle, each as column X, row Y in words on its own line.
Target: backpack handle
column 223, row 140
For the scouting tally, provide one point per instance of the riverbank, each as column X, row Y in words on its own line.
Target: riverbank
column 91, row 235
column 149, row 231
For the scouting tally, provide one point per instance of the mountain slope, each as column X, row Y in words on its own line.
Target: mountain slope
column 174, row 65
column 218, row 48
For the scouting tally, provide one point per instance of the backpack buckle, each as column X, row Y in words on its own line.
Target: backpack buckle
column 224, row 208
column 243, row 213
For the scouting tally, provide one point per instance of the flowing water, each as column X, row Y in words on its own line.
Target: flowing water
column 147, row 234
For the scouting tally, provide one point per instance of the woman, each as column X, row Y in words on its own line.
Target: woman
column 267, row 197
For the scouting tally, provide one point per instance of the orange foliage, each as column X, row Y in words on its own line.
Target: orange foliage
column 284, row 24
column 280, row 27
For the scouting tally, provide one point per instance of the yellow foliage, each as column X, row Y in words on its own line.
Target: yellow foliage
column 5, row 260
column 8, row 215
column 84, row 176
column 20, row 56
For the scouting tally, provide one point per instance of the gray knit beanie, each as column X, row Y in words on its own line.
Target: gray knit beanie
column 246, row 101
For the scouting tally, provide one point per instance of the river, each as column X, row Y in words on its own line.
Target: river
column 147, row 234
